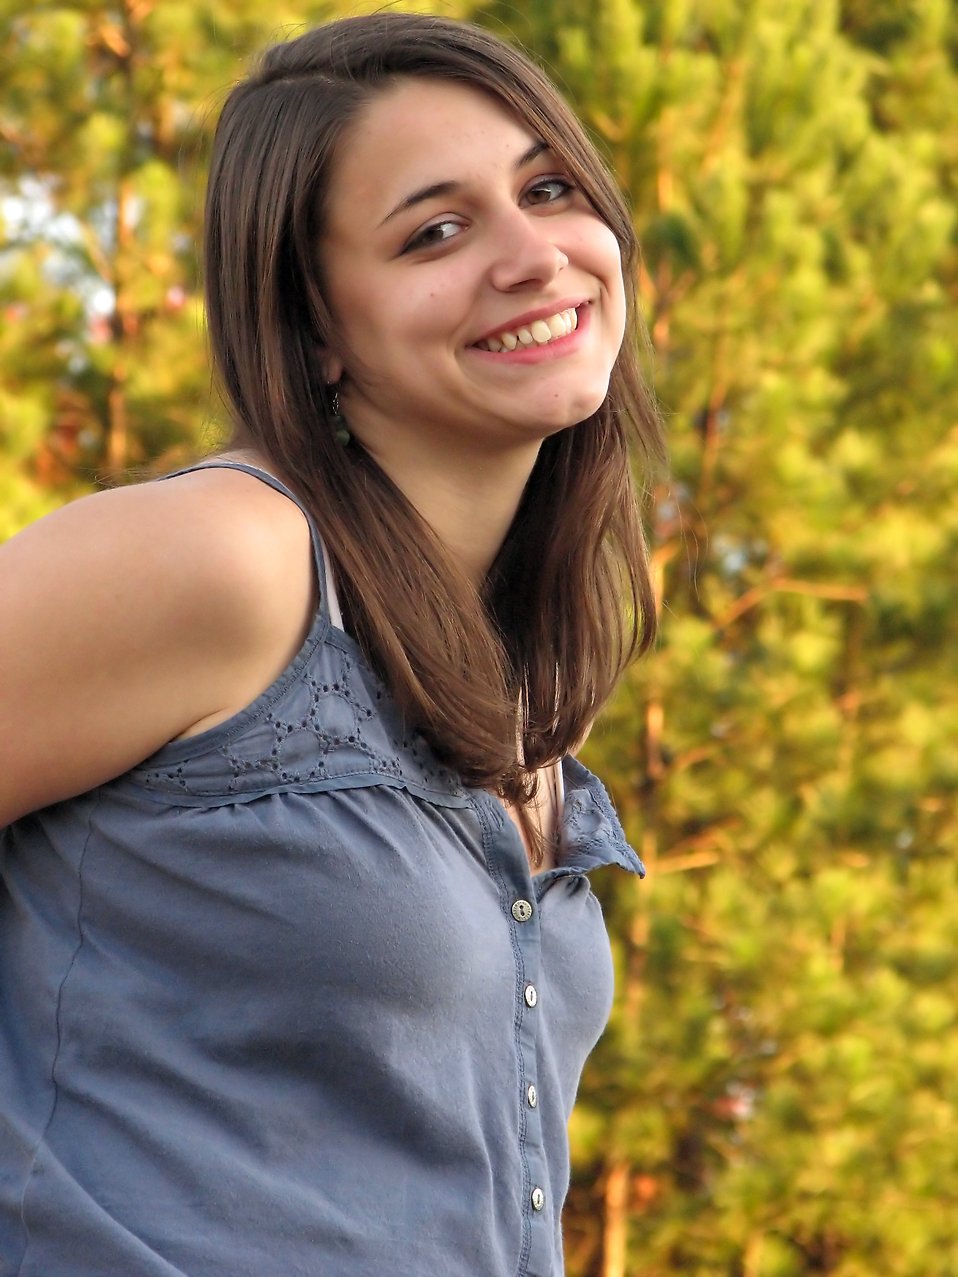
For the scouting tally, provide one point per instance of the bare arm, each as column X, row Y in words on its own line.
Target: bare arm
column 130, row 616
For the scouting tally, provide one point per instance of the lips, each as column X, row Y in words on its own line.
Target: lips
column 539, row 332
column 534, row 327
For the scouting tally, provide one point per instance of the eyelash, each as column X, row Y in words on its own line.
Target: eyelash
column 422, row 240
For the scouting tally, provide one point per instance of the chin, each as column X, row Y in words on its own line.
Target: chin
column 576, row 411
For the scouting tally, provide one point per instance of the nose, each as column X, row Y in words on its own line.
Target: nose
column 525, row 252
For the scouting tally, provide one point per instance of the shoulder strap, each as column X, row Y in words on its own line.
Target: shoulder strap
column 328, row 601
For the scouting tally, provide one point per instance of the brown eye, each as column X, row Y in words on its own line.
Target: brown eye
column 432, row 235
column 548, row 190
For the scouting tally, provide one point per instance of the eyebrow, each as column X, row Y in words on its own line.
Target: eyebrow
column 449, row 188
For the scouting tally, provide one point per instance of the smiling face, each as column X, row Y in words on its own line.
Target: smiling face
column 477, row 297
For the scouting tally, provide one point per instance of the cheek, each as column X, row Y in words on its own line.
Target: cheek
column 438, row 298
column 620, row 314
column 597, row 251
column 616, row 286
column 612, row 256
column 366, row 325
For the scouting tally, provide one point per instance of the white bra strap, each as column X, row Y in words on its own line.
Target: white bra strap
column 559, row 787
column 332, row 601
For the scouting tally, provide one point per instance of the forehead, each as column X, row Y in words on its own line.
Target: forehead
column 415, row 134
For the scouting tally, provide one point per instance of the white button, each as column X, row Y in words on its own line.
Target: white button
column 538, row 1198
column 522, row 911
column 531, row 996
column 532, row 1095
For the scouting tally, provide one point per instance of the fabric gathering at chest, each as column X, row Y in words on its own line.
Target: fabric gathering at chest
column 302, row 963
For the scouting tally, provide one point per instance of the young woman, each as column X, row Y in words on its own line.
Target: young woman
column 299, row 964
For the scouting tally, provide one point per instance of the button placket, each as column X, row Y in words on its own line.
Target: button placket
column 520, row 905
column 535, row 1165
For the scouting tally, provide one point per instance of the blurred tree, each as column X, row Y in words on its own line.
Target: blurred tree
column 775, row 1093
column 777, row 1090
column 106, row 110
column 103, row 357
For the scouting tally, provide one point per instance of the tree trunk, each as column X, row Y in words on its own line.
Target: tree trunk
column 615, row 1233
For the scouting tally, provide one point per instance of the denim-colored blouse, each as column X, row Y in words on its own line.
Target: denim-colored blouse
column 286, row 1001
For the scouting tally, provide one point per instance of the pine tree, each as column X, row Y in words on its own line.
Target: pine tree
column 772, row 1096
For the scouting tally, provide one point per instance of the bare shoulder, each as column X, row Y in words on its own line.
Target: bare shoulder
column 233, row 528
column 133, row 615
column 213, row 547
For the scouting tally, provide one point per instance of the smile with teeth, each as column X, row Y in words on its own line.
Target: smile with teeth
column 539, row 333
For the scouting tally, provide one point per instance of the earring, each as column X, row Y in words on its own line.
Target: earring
column 340, row 426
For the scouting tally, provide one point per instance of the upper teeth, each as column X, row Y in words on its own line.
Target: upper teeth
column 538, row 333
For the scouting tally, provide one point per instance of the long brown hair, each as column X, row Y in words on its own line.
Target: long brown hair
column 568, row 600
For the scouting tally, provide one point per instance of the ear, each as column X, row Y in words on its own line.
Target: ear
column 331, row 365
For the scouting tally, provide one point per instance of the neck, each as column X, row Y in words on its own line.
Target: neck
column 469, row 501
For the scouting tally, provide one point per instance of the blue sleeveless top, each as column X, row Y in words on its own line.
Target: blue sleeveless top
column 285, row 999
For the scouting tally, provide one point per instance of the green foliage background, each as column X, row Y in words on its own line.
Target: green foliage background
column 778, row 1091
